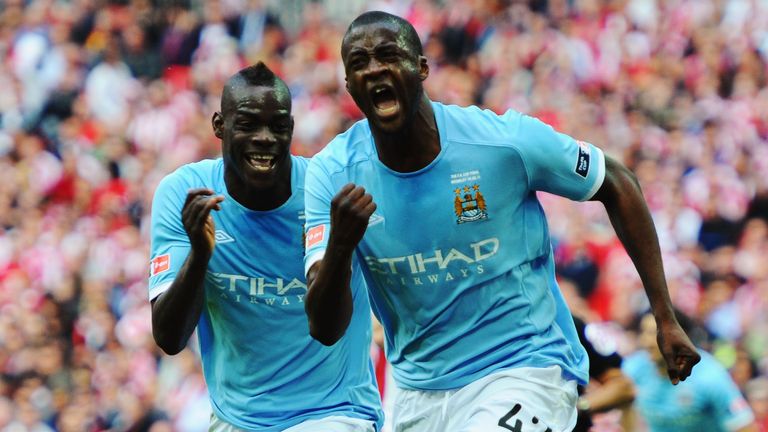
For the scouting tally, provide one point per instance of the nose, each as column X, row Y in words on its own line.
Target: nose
column 374, row 67
column 263, row 135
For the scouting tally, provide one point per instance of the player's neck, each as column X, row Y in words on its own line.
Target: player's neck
column 260, row 198
column 416, row 146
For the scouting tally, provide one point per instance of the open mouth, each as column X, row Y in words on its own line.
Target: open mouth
column 384, row 101
column 261, row 162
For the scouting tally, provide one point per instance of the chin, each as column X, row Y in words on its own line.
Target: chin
column 391, row 127
column 262, row 181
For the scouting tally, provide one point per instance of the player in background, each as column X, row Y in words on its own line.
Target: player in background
column 227, row 247
column 608, row 388
column 708, row 401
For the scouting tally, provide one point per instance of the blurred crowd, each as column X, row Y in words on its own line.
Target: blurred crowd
column 100, row 99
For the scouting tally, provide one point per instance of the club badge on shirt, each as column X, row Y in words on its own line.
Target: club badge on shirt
column 469, row 204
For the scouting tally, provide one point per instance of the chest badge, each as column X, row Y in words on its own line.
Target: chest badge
column 469, row 204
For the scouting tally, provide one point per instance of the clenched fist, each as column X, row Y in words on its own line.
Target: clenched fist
column 678, row 351
column 350, row 210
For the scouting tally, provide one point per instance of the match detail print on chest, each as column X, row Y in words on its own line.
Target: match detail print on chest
column 469, row 203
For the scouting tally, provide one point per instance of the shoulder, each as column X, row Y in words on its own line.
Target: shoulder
column 709, row 367
column 194, row 171
column 197, row 174
column 353, row 146
column 478, row 125
column 300, row 163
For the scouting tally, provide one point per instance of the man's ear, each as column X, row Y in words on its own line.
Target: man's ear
column 346, row 83
column 423, row 68
column 217, row 121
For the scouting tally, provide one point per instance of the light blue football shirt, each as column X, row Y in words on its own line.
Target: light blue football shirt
column 708, row 400
column 263, row 370
column 457, row 257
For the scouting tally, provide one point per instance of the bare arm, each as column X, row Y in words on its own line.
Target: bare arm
column 328, row 303
column 175, row 313
column 629, row 215
column 615, row 390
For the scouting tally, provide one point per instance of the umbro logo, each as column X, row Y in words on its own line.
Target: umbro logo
column 375, row 219
column 222, row 237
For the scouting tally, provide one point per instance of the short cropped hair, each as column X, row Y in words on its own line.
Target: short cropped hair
column 377, row 17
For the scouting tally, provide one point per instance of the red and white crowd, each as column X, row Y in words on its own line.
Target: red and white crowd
column 100, row 99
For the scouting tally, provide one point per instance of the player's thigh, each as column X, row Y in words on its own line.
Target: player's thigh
column 334, row 424
column 518, row 400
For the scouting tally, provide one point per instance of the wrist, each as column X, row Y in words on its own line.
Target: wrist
column 340, row 248
column 200, row 255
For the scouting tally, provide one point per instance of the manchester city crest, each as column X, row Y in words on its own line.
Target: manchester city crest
column 469, row 204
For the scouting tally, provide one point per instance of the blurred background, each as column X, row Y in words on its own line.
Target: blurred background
column 100, row 99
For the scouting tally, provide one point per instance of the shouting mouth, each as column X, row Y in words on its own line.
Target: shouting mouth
column 384, row 101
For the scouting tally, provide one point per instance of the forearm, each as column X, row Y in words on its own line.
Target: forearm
column 328, row 303
column 634, row 226
column 175, row 313
column 613, row 393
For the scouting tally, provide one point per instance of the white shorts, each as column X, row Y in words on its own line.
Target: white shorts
column 517, row 400
column 326, row 424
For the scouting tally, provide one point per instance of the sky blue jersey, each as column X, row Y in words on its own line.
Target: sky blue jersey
column 263, row 370
column 457, row 256
column 708, row 400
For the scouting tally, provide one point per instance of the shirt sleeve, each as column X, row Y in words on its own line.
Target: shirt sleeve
column 559, row 164
column 318, row 193
column 169, row 245
column 729, row 406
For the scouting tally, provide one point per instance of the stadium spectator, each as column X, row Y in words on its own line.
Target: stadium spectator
column 675, row 89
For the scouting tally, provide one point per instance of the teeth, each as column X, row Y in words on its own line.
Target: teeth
column 260, row 162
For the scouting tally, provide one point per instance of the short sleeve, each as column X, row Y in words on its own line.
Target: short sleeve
column 318, row 193
column 729, row 406
column 559, row 164
column 169, row 245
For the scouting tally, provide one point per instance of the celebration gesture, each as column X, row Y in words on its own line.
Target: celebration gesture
column 678, row 351
column 350, row 210
column 197, row 220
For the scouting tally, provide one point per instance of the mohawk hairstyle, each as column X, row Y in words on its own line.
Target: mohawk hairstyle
column 377, row 17
column 258, row 75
